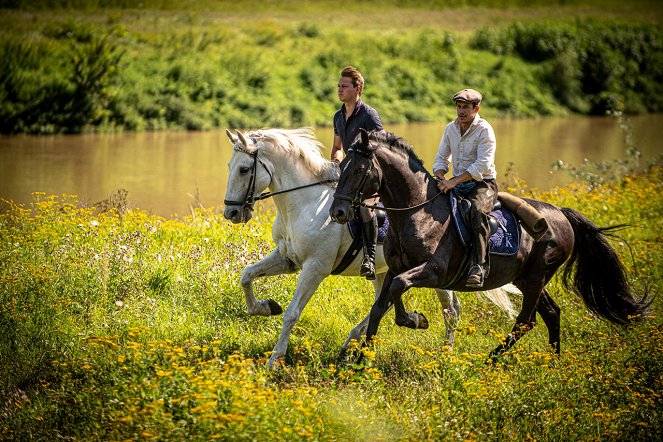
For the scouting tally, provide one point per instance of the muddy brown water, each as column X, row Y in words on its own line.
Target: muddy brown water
column 167, row 172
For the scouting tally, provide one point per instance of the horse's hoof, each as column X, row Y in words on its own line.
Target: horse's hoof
column 276, row 363
column 274, row 307
column 350, row 354
column 419, row 320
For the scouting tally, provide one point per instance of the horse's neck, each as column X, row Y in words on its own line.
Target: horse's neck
column 289, row 176
column 401, row 185
column 408, row 187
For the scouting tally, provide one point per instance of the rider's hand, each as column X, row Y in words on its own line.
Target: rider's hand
column 445, row 185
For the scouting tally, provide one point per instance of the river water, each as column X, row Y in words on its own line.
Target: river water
column 167, row 172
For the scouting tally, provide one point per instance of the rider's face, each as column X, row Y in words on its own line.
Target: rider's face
column 347, row 93
column 466, row 111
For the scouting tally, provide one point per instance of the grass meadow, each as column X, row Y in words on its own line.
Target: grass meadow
column 120, row 325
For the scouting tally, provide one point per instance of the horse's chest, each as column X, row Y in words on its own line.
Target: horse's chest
column 407, row 251
column 297, row 242
column 288, row 249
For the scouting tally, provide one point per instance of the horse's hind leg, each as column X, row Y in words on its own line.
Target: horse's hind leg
column 272, row 264
column 532, row 291
column 450, row 311
column 549, row 312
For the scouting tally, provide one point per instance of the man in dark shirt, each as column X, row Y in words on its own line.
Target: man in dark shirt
column 353, row 115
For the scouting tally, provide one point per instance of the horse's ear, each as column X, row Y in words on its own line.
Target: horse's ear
column 233, row 139
column 242, row 139
column 364, row 137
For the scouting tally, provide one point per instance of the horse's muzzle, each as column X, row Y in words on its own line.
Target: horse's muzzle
column 237, row 214
column 338, row 215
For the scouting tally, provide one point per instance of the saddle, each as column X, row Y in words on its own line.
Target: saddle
column 354, row 226
column 504, row 227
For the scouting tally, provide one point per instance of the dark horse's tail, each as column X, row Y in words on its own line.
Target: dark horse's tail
column 600, row 278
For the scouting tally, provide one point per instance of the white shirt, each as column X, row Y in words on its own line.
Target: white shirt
column 474, row 152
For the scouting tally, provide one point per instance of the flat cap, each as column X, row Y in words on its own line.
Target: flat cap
column 469, row 95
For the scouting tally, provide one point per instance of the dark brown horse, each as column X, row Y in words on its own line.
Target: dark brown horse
column 422, row 248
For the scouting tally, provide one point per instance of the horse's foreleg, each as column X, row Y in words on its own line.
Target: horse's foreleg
column 450, row 311
column 309, row 280
column 549, row 312
column 273, row 264
column 380, row 307
column 360, row 329
column 415, row 277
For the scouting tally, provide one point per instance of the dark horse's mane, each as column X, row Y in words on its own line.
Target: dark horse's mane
column 396, row 143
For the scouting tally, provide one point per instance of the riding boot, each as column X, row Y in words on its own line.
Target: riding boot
column 479, row 270
column 370, row 233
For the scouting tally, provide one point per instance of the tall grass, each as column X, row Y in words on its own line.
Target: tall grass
column 128, row 326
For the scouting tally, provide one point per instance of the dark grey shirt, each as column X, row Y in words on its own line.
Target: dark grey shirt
column 363, row 116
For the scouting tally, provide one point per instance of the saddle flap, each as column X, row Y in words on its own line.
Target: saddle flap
column 502, row 242
column 354, row 225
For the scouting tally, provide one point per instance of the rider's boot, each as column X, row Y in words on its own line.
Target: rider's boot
column 370, row 233
column 479, row 270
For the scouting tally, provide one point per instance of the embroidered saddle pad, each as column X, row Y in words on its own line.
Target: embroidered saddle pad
column 502, row 242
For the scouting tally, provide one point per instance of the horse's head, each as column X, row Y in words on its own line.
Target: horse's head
column 247, row 175
column 360, row 179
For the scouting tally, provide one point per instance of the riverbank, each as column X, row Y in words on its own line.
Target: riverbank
column 128, row 69
column 128, row 326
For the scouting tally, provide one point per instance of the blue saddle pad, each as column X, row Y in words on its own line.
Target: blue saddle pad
column 502, row 242
column 383, row 225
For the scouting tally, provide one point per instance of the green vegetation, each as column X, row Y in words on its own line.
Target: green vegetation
column 101, row 66
column 119, row 325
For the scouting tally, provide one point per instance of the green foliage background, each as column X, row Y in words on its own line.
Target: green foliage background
column 103, row 66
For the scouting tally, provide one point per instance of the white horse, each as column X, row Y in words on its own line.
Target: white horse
column 302, row 183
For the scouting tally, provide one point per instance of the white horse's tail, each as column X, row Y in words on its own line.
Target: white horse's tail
column 500, row 297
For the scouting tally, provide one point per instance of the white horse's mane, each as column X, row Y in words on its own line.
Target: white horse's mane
column 297, row 143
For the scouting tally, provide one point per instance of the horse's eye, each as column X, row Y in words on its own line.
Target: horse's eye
column 244, row 169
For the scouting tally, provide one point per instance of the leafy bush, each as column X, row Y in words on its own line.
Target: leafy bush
column 586, row 61
column 185, row 71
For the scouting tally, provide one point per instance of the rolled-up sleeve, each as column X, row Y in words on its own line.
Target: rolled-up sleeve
column 485, row 154
column 443, row 155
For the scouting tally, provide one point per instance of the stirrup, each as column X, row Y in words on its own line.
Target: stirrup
column 475, row 277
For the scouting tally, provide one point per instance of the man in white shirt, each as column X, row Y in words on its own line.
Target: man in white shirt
column 469, row 141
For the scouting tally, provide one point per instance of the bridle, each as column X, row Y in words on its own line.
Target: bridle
column 356, row 199
column 249, row 197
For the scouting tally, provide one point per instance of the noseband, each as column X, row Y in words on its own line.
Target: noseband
column 250, row 198
column 356, row 199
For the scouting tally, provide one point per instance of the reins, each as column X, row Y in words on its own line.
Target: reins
column 249, row 199
column 355, row 200
column 400, row 209
column 266, row 195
